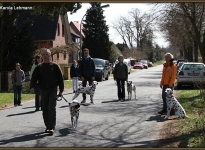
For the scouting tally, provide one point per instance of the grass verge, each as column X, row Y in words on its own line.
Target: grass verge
column 189, row 132
column 7, row 97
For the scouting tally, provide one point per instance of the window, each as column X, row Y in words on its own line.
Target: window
column 62, row 30
column 57, row 56
column 58, row 29
column 64, row 56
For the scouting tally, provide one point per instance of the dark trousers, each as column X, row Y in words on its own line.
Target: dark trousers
column 17, row 94
column 164, row 97
column 37, row 96
column 89, row 80
column 48, row 101
column 121, row 88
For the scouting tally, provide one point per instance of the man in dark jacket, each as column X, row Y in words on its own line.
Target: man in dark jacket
column 87, row 71
column 49, row 75
column 121, row 75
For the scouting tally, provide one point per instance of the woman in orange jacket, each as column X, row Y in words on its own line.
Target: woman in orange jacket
column 168, row 78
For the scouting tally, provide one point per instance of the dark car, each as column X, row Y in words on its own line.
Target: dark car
column 138, row 65
column 150, row 64
column 144, row 63
column 102, row 68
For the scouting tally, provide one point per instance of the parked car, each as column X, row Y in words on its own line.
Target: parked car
column 179, row 65
column 190, row 73
column 181, row 60
column 127, row 62
column 102, row 68
column 150, row 64
column 144, row 63
column 138, row 65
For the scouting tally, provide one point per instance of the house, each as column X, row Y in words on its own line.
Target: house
column 53, row 34
column 75, row 31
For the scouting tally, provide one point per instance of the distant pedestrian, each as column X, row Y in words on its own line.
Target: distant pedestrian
column 17, row 78
column 49, row 76
column 74, row 74
column 87, row 71
column 120, row 74
column 168, row 78
column 38, row 60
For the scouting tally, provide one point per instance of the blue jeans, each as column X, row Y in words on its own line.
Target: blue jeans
column 120, row 88
column 164, row 96
column 17, row 94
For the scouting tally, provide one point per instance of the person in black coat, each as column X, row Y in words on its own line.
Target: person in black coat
column 87, row 71
column 74, row 74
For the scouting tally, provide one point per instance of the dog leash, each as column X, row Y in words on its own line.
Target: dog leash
column 59, row 98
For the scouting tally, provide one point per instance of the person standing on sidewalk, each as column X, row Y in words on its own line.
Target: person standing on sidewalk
column 17, row 78
column 87, row 71
column 49, row 76
column 38, row 60
column 168, row 78
column 120, row 74
column 74, row 74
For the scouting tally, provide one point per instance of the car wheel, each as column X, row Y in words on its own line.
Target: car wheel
column 101, row 78
column 107, row 76
column 179, row 86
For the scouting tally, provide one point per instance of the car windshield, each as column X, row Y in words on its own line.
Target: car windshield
column 138, row 63
column 193, row 67
column 143, row 61
column 99, row 63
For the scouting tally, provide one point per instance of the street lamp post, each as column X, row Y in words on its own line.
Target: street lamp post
column 104, row 6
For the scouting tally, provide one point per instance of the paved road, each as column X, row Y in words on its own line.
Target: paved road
column 108, row 123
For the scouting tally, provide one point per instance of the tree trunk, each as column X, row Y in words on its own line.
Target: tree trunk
column 195, row 51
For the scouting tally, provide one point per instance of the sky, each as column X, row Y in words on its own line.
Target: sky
column 113, row 12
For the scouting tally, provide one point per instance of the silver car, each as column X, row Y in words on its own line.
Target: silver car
column 190, row 73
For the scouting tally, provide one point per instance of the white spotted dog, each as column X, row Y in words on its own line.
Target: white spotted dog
column 172, row 103
column 74, row 113
column 131, row 87
column 80, row 84
column 90, row 90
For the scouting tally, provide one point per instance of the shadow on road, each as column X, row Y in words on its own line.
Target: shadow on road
column 24, row 138
column 64, row 132
column 30, row 112
column 28, row 107
column 111, row 101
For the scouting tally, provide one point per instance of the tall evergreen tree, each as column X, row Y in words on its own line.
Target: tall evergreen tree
column 96, row 32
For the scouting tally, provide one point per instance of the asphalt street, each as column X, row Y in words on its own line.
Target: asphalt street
column 107, row 123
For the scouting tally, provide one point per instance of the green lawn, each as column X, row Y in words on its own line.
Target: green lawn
column 7, row 98
column 192, row 130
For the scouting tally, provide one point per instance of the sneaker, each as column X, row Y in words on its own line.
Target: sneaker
column 20, row 105
column 15, row 105
column 91, row 102
column 123, row 99
column 119, row 99
column 51, row 131
column 83, row 101
column 46, row 131
column 162, row 112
